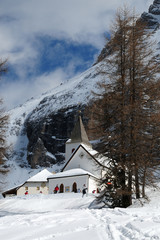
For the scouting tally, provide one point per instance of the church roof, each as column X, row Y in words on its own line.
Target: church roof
column 40, row 177
column 71, row 173
column 79, row 134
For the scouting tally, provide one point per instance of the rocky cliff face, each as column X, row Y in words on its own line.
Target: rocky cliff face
column 48, row 135
column 155, row 7
column 152, row 18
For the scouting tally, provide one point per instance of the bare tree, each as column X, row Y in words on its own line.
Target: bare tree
column 129, row 108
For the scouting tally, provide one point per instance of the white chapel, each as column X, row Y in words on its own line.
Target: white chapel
column 81, row 166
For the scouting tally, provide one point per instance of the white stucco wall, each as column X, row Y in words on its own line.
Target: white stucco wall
column 90, row 183
column 93, row 184
column 83, row 160
column 68, row 149
column 68, row 182
column 32, row 188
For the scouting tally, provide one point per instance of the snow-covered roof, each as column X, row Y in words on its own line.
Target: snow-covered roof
column 71, row 172
column 40, row 177
column 89, row 149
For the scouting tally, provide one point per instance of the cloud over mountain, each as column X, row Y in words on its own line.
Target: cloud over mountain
column 27, row 27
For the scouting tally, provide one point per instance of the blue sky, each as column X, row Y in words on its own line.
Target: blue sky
column 49, row 41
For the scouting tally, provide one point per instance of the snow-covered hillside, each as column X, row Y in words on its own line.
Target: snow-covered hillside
column 71, row 93
column 69, row 217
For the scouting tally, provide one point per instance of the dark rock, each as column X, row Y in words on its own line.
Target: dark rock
column 156, row 2
column 151, row 22
column 155, row 8
column 47, row 136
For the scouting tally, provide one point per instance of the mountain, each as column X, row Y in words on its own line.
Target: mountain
column 39, row 128
column 152, row 21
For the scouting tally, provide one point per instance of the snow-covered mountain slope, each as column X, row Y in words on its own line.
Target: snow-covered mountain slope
column 28, row 121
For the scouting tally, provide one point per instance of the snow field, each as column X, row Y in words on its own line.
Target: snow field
column 69, row 217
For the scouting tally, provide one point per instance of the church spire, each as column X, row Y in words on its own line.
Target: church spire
column 79, row 134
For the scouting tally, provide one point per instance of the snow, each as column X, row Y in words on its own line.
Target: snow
column 72, row 172
column 40, row 177
column 70, row 217
column 50, row 155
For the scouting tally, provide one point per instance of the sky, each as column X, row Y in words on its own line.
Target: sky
column 49, row 41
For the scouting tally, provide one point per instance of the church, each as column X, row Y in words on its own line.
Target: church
column 81, row 164
column 81, row 168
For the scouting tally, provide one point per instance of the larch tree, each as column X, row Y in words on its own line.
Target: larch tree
column 129, row 111
column 3, row 122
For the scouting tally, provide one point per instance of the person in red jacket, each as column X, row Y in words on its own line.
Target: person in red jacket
column 26, row 192
column 56, row 189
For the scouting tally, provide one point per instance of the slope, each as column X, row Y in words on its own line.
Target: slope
column 69, row 216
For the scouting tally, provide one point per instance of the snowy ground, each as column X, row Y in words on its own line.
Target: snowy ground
column 68, row 217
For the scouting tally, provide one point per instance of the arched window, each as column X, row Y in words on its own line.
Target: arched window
column 74, row 187
column 61, row 190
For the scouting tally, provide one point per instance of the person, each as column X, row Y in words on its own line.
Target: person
column 84, row 190
column 26, row 192
column 56, row 189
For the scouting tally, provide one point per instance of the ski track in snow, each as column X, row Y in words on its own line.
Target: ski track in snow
column 68, row 217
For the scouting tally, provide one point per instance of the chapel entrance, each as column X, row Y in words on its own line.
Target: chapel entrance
column 61, row 190
column 74, row 187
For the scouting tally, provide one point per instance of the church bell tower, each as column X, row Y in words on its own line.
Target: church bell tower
column 78, row 136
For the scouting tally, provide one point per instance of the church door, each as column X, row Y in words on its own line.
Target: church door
column 74, row 187
column 61, row 188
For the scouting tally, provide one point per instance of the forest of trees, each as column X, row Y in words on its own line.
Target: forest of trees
column 3, row 123
column 126, row 115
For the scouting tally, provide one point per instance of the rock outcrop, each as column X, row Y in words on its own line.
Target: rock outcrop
column 48, row 135
column 155, row 7
column 150, row 20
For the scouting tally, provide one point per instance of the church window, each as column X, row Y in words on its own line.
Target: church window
column 81, row 155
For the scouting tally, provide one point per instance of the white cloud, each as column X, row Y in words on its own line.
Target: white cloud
column 17, row 92
column 70, row 19
column 21, row 21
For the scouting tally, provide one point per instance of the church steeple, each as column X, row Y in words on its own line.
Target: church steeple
column 78, row 136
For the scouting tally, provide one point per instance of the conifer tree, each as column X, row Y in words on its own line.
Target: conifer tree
column 129, row 110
